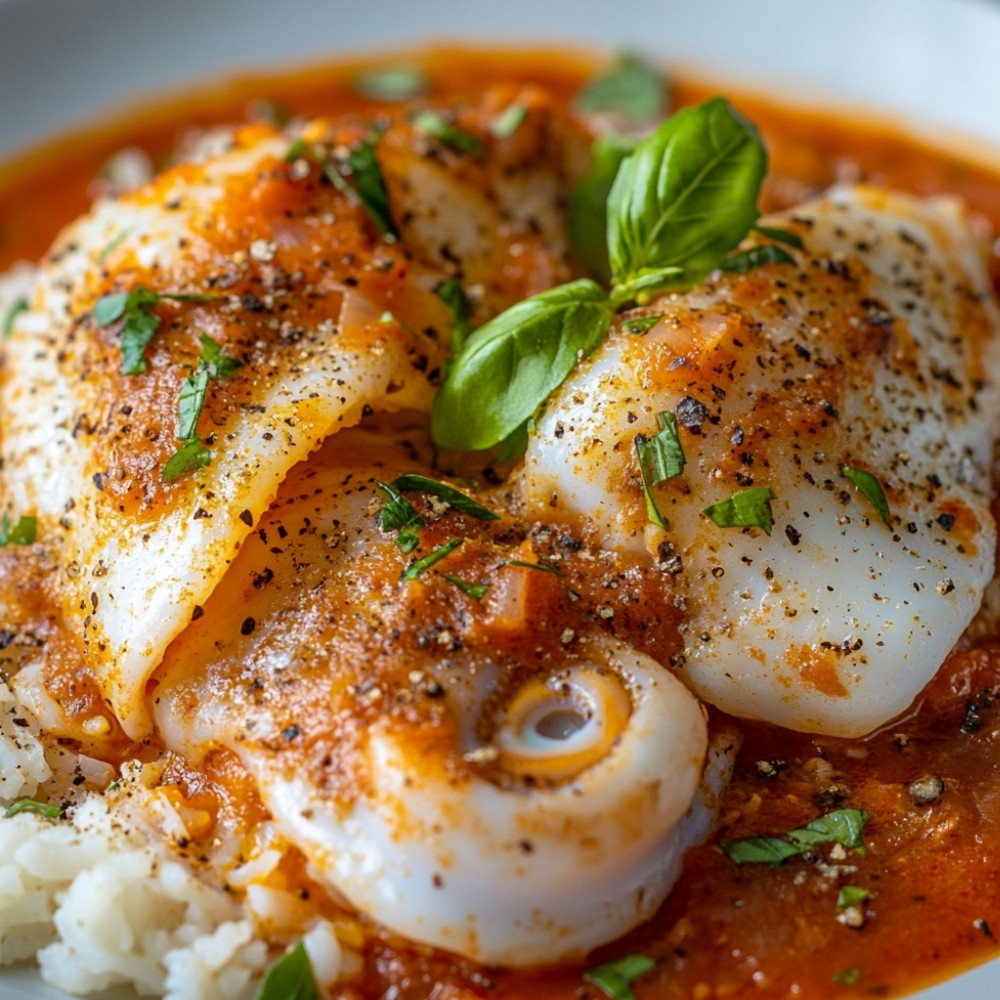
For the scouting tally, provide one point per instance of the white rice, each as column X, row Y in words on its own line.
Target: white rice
column 100, row 903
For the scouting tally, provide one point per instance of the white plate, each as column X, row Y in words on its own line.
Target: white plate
column 931, row 62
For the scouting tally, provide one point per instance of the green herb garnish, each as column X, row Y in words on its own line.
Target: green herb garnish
column 871, row 488
column 141, row 323
column 746, row 508
column 410, row 482
column 452, row 294
column 747, row 260
column 477, row 591
column 413, row 571
column 661, row 457
column 511, row 364
column 683, row 199
column 851, row 895
column 46, row 809
column 509, row 121
column 632, row 88
column 397, row 512
column 639, row 325
column 193, row 454
column 290, row 978
column 848, row 977
column 542, row 567
column 366, row 184
column 17, row 307
column 435, row 126
column 616, row 978
column 842, row 826
column 587, row 217
column 785, row 236
column 113, row 244
column 392, row 83
column 23, row 532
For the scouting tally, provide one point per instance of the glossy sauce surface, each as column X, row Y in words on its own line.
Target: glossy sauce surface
column 725, row 931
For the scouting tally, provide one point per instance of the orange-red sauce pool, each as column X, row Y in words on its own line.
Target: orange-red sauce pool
column 931, row 872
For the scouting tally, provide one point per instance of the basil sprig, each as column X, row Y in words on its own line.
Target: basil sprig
column 682, row 200
column 686, row 196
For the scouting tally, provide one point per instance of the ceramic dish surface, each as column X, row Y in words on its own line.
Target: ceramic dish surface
column 931, row 64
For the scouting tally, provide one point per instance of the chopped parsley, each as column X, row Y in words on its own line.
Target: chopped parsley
column 424, row 563
column 22, row 532
column 848, row 977
column 17, row 307
column 867, row 484
column 412, row 483
column 46, row 809
column 193, row 454
column 141, row 323
column 842, row 826
column 398, row 514
column 616, row 978
column 749, row 508
column 851, row 895
column 661, row 457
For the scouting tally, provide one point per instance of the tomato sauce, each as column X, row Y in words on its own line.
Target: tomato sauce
column 929, row 780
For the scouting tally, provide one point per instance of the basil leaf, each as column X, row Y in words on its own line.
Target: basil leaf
column 851, row 895
column 542, row 567
column 641, row 324
column 845, row 826
column 23, row 532
column 785, row 236
column 190, row 403
column 452, row 294
column 216, row 361
column 477, row 591
column 747, row 260
column 848, row 977
column 413, row 571
column 392, row 83
column 410, row 482
column 368, row 187
column 509, row 121
column 290, row 978
column 435, row 126
column 632, row 88
column 616, row 978
column 397, row 512
column 687, row 195
column 746, row 508
column 871, row 488
column 509, row 366
column 46, row 809
column 587, row 216
column 759, row 850
column 17, row 307
column 191, row 455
